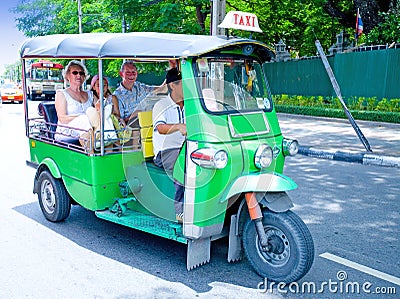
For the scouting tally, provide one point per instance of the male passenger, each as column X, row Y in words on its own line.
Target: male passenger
column 170, row 131
column 128, row 97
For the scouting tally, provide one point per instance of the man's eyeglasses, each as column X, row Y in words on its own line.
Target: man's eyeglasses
column 76, row 73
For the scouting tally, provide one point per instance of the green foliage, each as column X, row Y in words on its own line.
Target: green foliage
column 13, row 71
column 37, row 16
column 387, row 31
column 380, row 116
column 298, row 23
column 361, row 108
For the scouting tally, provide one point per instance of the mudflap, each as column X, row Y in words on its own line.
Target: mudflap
column 235, row 250
column 198, row 252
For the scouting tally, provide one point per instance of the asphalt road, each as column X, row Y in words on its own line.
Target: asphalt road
column 352, row 211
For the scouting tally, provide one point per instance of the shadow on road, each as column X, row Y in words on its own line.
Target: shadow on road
column 157, row 256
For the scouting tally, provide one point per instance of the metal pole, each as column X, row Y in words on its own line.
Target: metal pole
column 336, row 87
column 217, row 15
column 80, row 28
column 101, row 98
column 80, row 16
column 23, row 64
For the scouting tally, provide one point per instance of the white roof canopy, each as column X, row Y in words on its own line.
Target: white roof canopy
column 135, row 45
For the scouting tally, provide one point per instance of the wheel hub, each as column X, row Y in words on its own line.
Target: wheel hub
column 276, row 245
column 48, row 197
column 278, row 251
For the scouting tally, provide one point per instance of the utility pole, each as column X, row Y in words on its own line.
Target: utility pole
column 217, row 16
column 80, row 27
column 123, row 24
column 80, row 16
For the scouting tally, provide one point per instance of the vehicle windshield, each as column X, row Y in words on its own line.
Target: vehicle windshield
column 9, row 86
column 232, row 85
column 52, row 74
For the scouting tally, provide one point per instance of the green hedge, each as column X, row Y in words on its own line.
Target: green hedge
column 361, row 108
column 393, row 117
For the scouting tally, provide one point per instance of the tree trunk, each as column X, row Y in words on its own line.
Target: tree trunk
column 201, row 17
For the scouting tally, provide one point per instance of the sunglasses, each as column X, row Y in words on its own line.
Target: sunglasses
column 76, row 73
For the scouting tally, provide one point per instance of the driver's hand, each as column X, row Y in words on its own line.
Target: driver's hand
column 182, row 129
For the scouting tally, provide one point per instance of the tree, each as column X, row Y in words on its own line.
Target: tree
column 13, row 71
column 37, row 16
column 387, row 31
column 370, row 11
column 297, row 22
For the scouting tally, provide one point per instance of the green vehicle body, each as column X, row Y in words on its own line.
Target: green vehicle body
column 93, row 181
column 125, row 187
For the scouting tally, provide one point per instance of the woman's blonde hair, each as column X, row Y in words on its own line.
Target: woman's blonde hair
column 75, row 63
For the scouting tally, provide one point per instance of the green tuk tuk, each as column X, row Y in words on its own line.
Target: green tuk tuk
column 231, row 163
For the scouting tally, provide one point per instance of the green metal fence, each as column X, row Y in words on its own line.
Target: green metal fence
column 359, row 74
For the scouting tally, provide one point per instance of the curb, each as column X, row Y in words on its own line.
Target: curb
column 362, row 158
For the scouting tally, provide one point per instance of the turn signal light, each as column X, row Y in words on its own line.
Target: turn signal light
column 290, row 147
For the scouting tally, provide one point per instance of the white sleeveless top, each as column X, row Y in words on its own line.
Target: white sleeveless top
column 75, row 107
column 80, row 122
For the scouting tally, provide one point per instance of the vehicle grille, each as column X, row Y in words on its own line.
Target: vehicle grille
column 48, row 87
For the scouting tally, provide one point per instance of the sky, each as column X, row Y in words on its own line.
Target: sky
column 11, row 39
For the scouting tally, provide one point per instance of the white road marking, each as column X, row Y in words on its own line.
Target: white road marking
column 361, row 268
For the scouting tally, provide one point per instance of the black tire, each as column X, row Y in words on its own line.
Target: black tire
column 53, row 198
column 291, row 252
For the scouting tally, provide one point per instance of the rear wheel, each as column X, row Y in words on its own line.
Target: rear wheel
column 53, row 198
column 290, row 252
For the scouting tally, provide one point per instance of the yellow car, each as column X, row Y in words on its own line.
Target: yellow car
column 10, row 92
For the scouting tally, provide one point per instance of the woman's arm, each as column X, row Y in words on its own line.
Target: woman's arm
column 61, row 108
column 115, row 110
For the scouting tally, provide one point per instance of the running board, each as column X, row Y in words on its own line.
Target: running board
column 198, row 251
column 146, row 223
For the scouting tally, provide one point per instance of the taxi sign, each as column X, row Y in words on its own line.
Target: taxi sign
column 240, row 20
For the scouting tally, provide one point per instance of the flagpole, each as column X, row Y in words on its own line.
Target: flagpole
column 356, row 34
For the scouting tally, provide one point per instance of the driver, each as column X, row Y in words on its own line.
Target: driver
column 170, row 131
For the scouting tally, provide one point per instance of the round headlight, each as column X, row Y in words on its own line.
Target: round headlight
column 290, row 147
column 220, row 159
column 263, row 156
column 210, row 158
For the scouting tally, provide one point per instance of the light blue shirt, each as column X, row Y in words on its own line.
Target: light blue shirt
column 131, row 100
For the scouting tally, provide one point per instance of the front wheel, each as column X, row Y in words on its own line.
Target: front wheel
column 53, row 198
column 290, row 252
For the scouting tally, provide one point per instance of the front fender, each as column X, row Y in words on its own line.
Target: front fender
column 259, row 182
column 275, row 201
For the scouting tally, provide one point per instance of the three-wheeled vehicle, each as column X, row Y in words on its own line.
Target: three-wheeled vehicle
column 231, row 163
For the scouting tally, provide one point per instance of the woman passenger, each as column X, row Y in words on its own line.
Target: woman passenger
column 94, row 113
column 71, row 105
column 95, row 88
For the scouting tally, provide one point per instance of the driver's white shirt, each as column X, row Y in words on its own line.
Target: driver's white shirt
column 166, row 111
